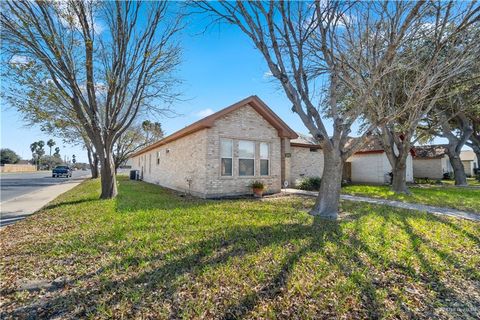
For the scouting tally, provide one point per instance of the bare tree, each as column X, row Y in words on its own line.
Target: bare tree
column 308, row 48
column 436, row 54
column 134, row 139
column 108, row 77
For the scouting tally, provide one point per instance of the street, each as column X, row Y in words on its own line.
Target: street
column 22, row 194
column 16, row 184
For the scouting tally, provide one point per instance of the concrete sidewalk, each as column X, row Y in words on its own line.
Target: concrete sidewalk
column 398, row 204
column 19, row 208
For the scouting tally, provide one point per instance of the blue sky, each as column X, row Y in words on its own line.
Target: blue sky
column 219, row 68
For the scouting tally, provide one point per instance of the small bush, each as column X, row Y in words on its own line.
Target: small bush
column 427, row 181
column 257, row 185
column 310, row 184
column 448, row 176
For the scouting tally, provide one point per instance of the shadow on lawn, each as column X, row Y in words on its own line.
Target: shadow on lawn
column 352, row 258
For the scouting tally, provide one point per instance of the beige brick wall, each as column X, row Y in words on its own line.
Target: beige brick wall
column 185, row 159
column 428, row 168
column 242, row 124
column 305, row 163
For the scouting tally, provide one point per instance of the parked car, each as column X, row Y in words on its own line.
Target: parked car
column 62, row 171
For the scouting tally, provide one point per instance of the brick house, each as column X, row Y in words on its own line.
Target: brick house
column 222, row 154
column 431, row 161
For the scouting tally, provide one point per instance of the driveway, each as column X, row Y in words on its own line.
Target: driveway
column 22, row 194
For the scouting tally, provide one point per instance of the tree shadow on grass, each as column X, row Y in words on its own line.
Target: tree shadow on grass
column 69, row 203
column 193, row 259
column 169, row 270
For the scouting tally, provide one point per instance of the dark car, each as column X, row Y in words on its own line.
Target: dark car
column 62, row 171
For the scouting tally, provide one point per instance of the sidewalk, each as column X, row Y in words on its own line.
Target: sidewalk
column 398, row 204
column 19, row 208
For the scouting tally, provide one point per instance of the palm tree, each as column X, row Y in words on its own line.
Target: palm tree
column 50, row 144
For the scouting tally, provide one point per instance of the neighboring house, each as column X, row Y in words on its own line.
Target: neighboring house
column 306, row 159
column 431, row 161
column 370, row 165
column 470, row 162
column 222, row 154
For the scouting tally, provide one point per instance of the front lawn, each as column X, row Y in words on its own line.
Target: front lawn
column 472, row 182
column 153, row 254
column 467, row 199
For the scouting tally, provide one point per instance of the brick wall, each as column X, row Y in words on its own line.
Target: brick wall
column 178, row 161
column 305, row 163
column 428, row 168
column 242, row 124
column 18, row 168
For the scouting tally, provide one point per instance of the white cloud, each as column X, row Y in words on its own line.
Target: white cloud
column 204, row 113
column 17, row 59
column 69, row 20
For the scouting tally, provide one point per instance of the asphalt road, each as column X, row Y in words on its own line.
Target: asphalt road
column 13, row 185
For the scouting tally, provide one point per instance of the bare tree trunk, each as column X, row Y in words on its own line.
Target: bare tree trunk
column 458, row 169
column 108, row 178
column 456, row 143
column 397, row 150
column 328, row 200
column 399, row 176
column 95, row 173
column 93, row 162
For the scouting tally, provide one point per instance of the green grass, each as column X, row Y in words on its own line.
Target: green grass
column 472, row 182
column 153, row 254
column 467, row 199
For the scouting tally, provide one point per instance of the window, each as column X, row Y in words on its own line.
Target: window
column 226, row 154
column 246, row 158
column 313, row 149
column 264, row 159
column 158, row 158
column 150, row 163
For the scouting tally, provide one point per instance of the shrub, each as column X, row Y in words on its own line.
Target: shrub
column 423, row 181
column 310, row 184
column 448, row 176
column 257, row 185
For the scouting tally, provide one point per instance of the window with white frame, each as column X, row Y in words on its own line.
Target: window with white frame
column 264, row 159
column 246, row 158
column 226, row 155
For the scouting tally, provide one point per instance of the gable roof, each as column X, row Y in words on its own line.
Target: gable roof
column 284, row 131
column 434, row 151
column 304, row 140
column 374, row 145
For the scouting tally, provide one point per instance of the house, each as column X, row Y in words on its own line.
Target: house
column 222, row 154
column 306, row 159
column 431, row 161
column 368, row 165
column 371, row 165
column 469, row 161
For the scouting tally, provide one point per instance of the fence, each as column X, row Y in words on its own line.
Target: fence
column 17, row 168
